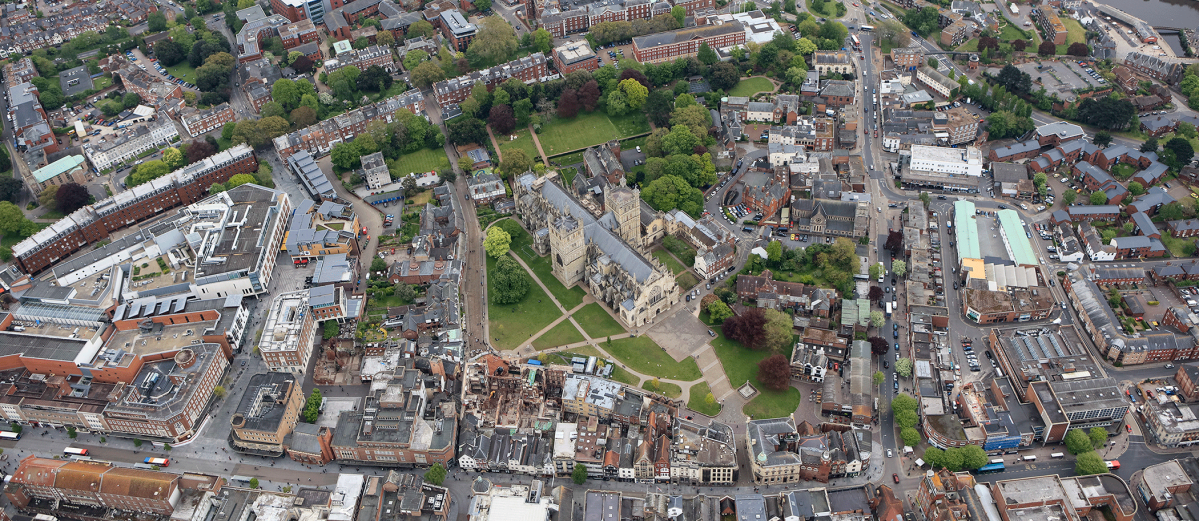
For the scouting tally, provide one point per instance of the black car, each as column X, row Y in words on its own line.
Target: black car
column 1003, row 207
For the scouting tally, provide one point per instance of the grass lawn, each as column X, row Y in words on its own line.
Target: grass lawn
column 565, row 356
column 646, row 357
column 568, row 175
column 773, row 404
column 1075, row 32
column 523, row 141
column 830, row 9
column 562, row 334
column 698, row 400
column 669, row 260
column 513, row 324
column 422, row 160
column 584, row 130
column 751, row 86
column 971, row 45
column 664, row 388
column 740, row 364
column 52, row 214
column 102, row 82
column 625, row 377
column 181, row 70
column 596, row 321
column 1010, row 33
column 1123, row 171
column 686, row 281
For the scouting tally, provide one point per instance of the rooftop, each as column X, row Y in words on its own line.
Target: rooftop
column 284, row 322
column 264, row 402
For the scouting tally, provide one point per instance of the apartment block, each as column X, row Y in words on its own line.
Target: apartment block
column 207, row 120
column 288, row 333
column 681, row 43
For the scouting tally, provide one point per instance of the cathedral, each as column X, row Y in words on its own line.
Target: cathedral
column 597, row 242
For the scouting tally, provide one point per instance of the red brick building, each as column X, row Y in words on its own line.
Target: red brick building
column 670, row 45
column 97, row 221
column 575, row 56
column 89, row 483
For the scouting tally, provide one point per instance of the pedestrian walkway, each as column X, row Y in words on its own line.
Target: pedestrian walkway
column 544, row 158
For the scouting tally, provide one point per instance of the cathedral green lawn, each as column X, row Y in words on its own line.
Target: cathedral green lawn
column 751, row 86
column 562, row 334
column 645, row 356
column 522, row 244
column 564, row 135
column 596, row 321
column 511, row 325
column 741, row 365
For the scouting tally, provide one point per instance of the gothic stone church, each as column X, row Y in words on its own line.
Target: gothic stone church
column 600, row 248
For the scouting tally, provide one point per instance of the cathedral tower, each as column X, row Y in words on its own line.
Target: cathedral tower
column 568, row 248
column 624, row 203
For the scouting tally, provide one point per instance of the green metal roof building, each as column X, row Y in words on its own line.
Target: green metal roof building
column 965, row 230
column 57, row 168
column 1018, row 247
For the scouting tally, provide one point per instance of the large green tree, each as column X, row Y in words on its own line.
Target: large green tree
column 495, row 41
column 1089, row 463
column 497, row 242
column 1098, row 437
column 1077, row 442
column 509, row 281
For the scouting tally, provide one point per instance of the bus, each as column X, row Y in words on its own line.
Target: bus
column 990, row 468
column 1029, row 458
column 888, row 310
column 143, row 466
column 867, row 28
column 1057, row 455
column 72, row 451
column 857, row 44
column 9, row 435
column 997, row 460
column 1113, row 465
column 161, row 462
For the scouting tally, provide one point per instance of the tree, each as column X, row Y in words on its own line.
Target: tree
column 670, row 192
column 374, row 78
column 778, row 330
column 910, row 436
column 47, row 196
column 1136, row 188
column 718, row 311
column 579, row 475
column 1103, row 138
column 509, row 282
column 420, row 28
column 1098, row 437
column 747, row 328
column 515, row 162
column 724, row 76
column 1183, row 152
column 1090, row 463
column 502, row 119
column 426, row 74
column 415, row 58
column 707, row 55
column 1077, row 442
column 899, row 268
column 924, row 198
column 635, row 93
column 973, row 457
column 1150, row 145
column 303, row 117
column 1047, row 48
column 1068, row 197
column 10, row 188
column 312, row 406
column 345, row 156
column 469, row 130
column 253, row 482
column 1019, row 45
column 238, row 180
column 879, row 345
column 156, row 22
column 679, row 13
column 894, row 242
column 875, row 271
column 497, row 242
column 435, row 474
column 71, row 197
column 877, row 319
column 589, row 95
column 1098, row 198
column 1078, row 49
column 378, row 265
column 1107, row 113
column 775, row 372
column 169, row 53
column 934, row 457
column 879, row 378
column 903, row 366
column 495, row 41
column 197, row 150
column 146, row 172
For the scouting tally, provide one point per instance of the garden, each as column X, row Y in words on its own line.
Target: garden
column 523, row 141
column 750, row 86
column 423, row 160
column 669, row 261
column 698, row 400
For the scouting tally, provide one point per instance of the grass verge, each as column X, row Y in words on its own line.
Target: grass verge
column 698, row 401
column 645, row 356
column 584, row 130
column 664, row 388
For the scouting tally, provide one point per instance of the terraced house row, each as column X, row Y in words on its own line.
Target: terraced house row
column 581, row 17
column 531, row 68
column 318, row 139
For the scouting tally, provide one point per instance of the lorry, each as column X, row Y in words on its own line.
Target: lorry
column 1015, row 10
